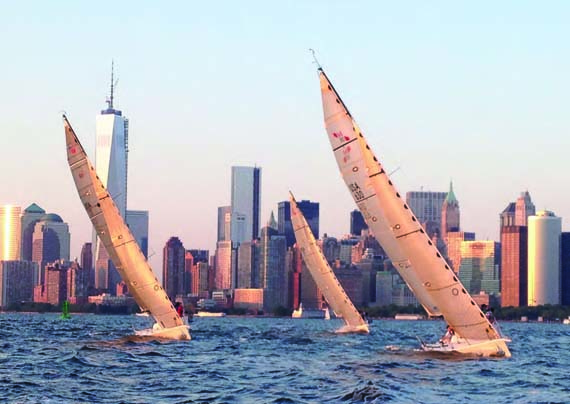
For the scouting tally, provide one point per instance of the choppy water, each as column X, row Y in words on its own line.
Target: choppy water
column 93, row 359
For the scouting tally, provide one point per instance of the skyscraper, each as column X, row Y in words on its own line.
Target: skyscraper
column 248, row 265
column 450, row 214
column 427, row 207
column 514, row 252
column 453, row 241
column 224, row 221
column 223, row 265
column 245, row 206
column 10, row 232
column 565, row 268
column 31, row 216
column 50, row 242
column 284, row 226
column 16, row 281
column 87, row 264
column 273, row 269
column 137, row 220
column 357, row 223
column 174, row 278
column 544, row 231
column 112, row 130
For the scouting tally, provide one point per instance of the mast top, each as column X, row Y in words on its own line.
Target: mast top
column 315, row 61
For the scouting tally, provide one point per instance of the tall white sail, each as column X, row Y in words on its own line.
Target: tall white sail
column 120, row 243
column 396, row 228
column 323, row 274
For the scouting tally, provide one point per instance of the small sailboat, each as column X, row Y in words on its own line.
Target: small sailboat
column 323, row 274
column 121, row 246
column 394, row 225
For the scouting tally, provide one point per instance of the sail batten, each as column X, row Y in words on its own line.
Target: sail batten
column 396, row 228
column 120, row 244
column 322, row 273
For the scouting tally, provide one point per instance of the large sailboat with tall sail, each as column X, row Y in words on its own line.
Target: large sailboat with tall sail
column 406, row 243
column 120, row 244
column 323, row 274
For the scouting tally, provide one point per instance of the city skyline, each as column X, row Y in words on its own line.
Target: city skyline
column 486, row 109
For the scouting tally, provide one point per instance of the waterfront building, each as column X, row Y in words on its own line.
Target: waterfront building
column 245, row 203
column 284, row 225
column 175, row 280
column 137, row 220
column 480, row 266
column 86, row 262
column 32, row 215
column 16, row 282
column 249, row 299
column 544, row 230
column 10, row 232
column 78, row 282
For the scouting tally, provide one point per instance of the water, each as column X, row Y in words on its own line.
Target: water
column 95, row 359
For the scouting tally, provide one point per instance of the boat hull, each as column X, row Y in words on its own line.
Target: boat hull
column 496, row 348
column 179, row 333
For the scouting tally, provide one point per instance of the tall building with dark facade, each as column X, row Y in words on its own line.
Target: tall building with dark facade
column 16, row 281
column 246, row 203
column 309, row 209
column 174, row 278
column 77, row 283
column 357, row 223
column 137, row 220
column 200, row 255
column 224, row 223
column 86, row 262
column 273, row 269
column 32, row 215
column 248, row 265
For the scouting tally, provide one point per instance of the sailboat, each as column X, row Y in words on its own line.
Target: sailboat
column 394, row 225
column 323, row 274
column 122, row 247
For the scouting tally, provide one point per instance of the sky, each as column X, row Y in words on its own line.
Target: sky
column 474, row 92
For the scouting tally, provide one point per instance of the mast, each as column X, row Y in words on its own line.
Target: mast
column 322, row 273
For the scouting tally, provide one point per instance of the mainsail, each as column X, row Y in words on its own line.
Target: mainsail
column 120, row 243
column 396, row 228
column 322, row 273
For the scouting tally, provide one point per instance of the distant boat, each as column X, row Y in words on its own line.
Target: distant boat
column 400, row 234
column 566, row 321
column 408, row 317
column 323, row 275
column 209, row 314
column 120, row 244
column 142, row 314
column 308, row 313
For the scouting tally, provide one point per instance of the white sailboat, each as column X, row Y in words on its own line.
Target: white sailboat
column 394, row 225
column 121, row 245
column 323, row 274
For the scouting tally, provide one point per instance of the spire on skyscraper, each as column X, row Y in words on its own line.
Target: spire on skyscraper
column 450, row 198
column 272, row 222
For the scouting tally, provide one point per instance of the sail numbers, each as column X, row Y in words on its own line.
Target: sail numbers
column 356, row 191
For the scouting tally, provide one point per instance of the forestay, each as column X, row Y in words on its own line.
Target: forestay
column 119, row 242
column 322, row 273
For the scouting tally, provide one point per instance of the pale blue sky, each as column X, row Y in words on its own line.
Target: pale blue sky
column 474, row 91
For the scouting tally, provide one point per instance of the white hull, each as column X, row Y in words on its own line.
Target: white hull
column 491, row 348
column 208, row 314
column 179, row 333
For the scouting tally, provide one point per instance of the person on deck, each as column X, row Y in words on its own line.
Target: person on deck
column 179, row 308
column 449, row 333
